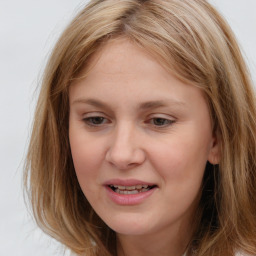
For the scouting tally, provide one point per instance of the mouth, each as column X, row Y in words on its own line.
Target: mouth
column 130, row 190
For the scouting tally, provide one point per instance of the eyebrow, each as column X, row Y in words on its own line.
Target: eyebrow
column 143, row 106
column 160, row 103
column 92, row 102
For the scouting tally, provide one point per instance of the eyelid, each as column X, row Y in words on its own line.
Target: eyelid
column 163, row 116
column 93, row 114
column 87, row 118
column 170, row 120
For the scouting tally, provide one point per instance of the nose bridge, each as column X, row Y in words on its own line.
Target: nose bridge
column 123, row 134
column 125, row 150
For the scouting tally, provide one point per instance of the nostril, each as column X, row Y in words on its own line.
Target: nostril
column 125, row 158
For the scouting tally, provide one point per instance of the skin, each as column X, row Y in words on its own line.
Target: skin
column 115, row 135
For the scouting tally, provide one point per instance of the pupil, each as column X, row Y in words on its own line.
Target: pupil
column 97, row 120
column 159, row 121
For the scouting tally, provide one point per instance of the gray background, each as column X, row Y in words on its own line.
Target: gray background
column 28, row 30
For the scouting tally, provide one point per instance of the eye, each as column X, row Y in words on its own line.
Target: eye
column 160, row 122
column 95, row 120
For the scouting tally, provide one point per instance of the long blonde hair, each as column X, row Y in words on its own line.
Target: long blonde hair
column 193, row 41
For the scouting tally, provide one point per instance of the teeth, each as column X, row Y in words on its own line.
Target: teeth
column 129, row 190
column 120, row 187
column 129, row 187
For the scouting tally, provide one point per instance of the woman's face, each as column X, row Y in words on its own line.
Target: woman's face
column 140, row 140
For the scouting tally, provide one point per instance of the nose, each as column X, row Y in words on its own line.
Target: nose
column 125, row 150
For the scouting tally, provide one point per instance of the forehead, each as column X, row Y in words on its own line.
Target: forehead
column 121, row 50
column 123, row 75
column 121, row 61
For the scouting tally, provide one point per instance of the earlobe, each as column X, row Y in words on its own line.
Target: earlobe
column 214, row 154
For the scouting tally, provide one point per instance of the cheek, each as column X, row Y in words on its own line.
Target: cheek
column 182, row 160
column 87, row 158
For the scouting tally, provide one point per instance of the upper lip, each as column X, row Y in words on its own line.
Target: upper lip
column 128, row 182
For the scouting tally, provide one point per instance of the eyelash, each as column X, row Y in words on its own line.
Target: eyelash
column 164, row 122
column 91, row 120
column 97, row 121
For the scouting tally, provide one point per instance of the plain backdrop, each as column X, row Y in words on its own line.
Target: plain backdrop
column 28, row 31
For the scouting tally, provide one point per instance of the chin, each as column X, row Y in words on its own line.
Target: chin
column 130, row 226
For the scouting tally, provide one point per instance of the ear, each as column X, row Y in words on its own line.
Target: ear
column 214, row 153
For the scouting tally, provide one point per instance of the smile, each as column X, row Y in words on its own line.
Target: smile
column 130, row 190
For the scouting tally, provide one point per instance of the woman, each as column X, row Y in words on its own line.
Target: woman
column 144, row 134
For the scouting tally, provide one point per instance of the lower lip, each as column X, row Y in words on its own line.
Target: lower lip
column 132, row 199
